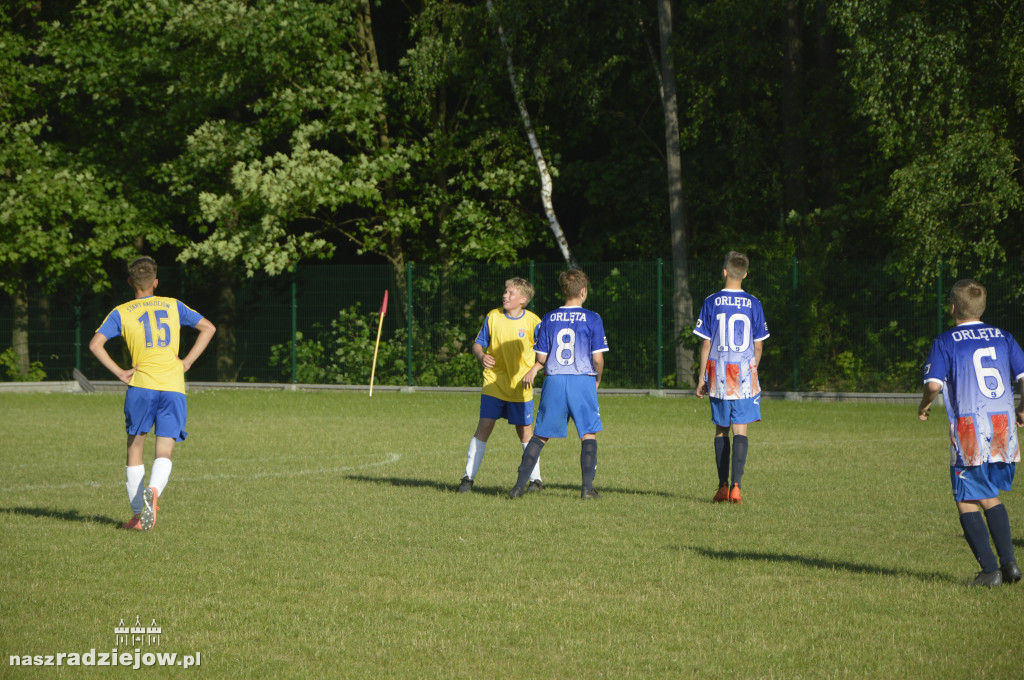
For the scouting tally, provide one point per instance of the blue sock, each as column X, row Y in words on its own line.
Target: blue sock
column 722, row 459
column 999, row 528
column 530, row 455
column 588, row 462
column 739, row 457
column 976, row 534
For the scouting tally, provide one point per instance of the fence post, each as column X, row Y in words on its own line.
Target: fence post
column 661, row 339
column 295, row 324
column 78, row 331
column 408, row 288
column 796, row 328
column 938, row 302
column 532, row 283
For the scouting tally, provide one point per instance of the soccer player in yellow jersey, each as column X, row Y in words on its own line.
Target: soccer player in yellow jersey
column 505, row 348
column 151, row 327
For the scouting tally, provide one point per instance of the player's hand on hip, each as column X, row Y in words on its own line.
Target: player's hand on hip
column 126, row 376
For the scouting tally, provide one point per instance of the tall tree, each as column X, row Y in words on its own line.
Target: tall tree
column 682, row 300
column 942, row 86
column 546, row 184
column 62, row 216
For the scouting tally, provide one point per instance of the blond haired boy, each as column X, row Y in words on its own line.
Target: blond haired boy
column 504, row 347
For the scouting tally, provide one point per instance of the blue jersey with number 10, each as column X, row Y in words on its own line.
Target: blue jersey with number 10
column 733, row 321
column 570, row 336
column 977, row 365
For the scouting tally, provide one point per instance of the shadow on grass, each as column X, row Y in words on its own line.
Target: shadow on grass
column 501, row 490
column 64, row 515
column 818, row 563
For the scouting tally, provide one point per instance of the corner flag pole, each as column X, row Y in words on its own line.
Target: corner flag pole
column 376, row 346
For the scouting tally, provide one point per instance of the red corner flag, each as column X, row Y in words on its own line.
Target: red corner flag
column 384, row 305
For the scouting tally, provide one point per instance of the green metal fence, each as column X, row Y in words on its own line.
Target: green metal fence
column 844, row 326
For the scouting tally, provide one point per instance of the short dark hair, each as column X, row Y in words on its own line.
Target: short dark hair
column 572, row 282
column 969, row 298
column 142, row 272
column 736, row 264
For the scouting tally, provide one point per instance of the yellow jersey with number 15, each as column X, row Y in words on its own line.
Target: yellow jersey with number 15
column 151, row 327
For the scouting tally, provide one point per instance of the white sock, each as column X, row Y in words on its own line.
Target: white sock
column 535, row 475
column 133, row 475
column 159, row 475
column 474, row 457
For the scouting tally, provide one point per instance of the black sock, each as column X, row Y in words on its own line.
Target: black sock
column 739, row 457
column 588, row 462
column 530, row 455
column 976, row 534
column 999, row 527
column 722, row 459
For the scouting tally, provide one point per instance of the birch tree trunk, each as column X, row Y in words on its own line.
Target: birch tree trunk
column 538, row 155
column 682, row 301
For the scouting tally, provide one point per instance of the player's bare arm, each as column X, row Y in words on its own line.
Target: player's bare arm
column 1020, row 408
column 482, row 356
column 206, row 330
column 931, row 390
column 531, row 375
column 100, row 352
column 598, row 361
column 758, row 348
column 705, row 352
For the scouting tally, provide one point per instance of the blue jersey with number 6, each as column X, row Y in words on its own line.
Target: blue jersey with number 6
column 733, row 321
column 977, row 366
column 151, row 327
column 570, row 336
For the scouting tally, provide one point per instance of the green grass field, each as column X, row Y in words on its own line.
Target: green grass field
column 315, row 534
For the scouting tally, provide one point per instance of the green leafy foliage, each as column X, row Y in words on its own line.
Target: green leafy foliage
column 12, row 368
column 342, row 353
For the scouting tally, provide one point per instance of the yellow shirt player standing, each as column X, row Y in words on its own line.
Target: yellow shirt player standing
column 504, row 347
column 151, row 327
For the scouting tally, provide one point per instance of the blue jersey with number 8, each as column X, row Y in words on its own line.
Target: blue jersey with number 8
column 977, row 366
column 151, row 327
column 570, row 336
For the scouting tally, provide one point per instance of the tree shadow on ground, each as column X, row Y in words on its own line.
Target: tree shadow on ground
column 498, row 490
column 64, row 515
column 819, row 563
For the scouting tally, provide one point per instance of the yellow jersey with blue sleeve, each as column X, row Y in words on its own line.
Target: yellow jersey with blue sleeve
column 510, row 341
column 151, row 327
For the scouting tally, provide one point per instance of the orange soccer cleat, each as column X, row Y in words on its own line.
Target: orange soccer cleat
column 134, row 524
column 723, row 494
column 735, row 496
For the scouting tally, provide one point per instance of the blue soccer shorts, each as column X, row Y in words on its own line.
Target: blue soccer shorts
column 144, row 407
column 568, row 396
column 515, row 412
column 981, row 481
column 726, row 412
